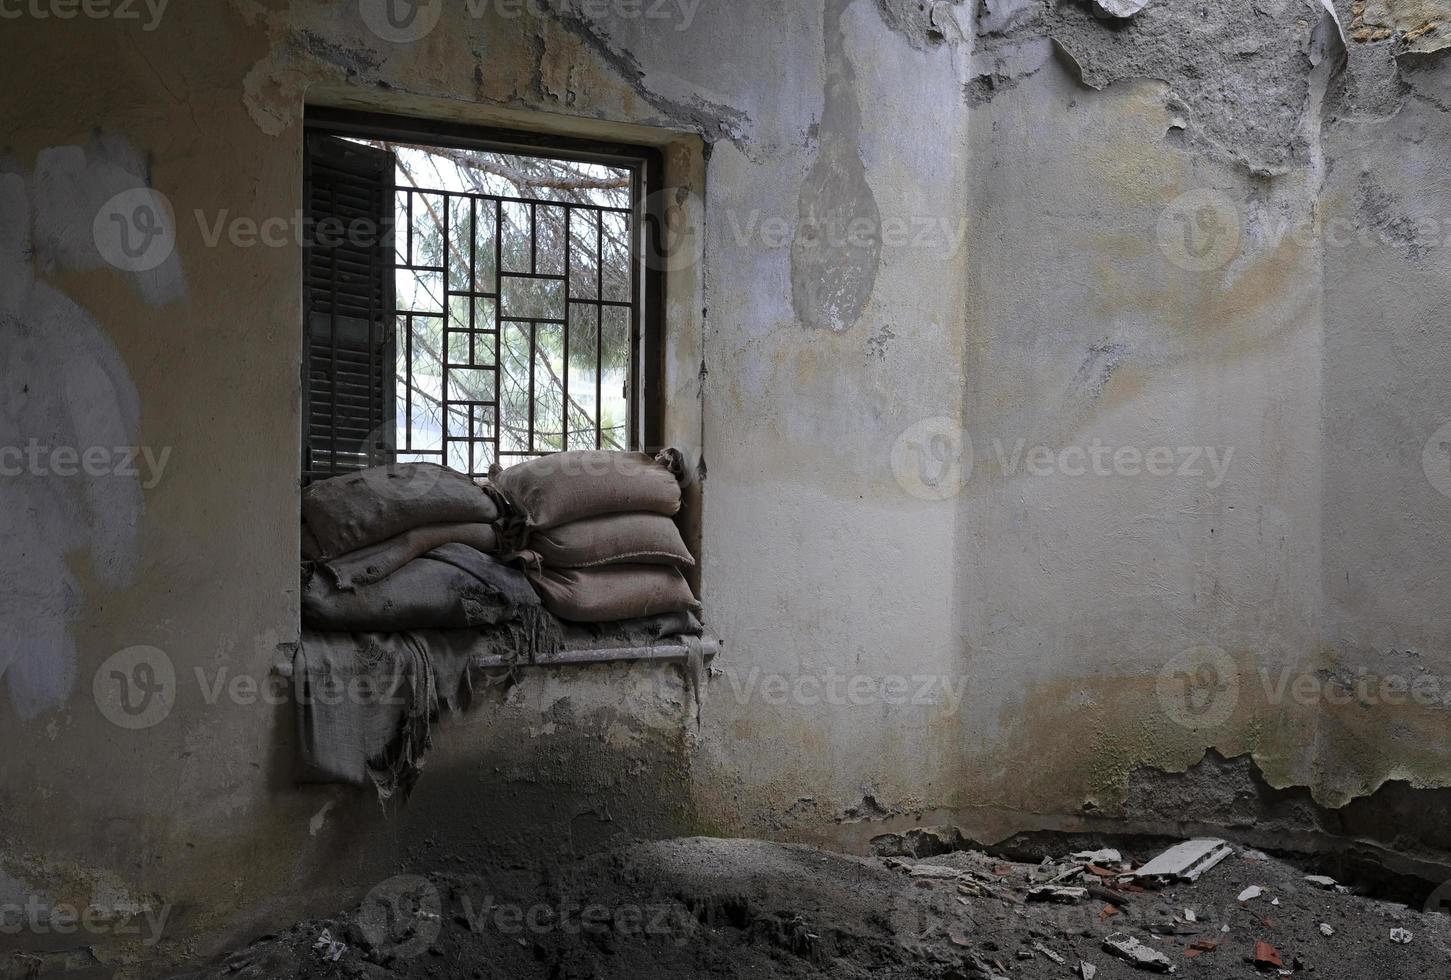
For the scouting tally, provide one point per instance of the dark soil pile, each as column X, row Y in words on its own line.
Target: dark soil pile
column 741, row 908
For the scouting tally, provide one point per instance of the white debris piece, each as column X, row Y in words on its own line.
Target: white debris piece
column 1320, row 881
column 1049, row 953
column 1189, row 916
column 1087, row 970
column 1326, row 929
column 1186, row 861
column 1251, row 893
column 1102, row 856
column 1119, row 8
column 328, row 947
column 1402, row 936
column 1057, row 893
column 1274, row 901
column 1128, row 948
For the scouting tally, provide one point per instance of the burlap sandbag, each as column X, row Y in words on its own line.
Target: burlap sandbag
column 452, row 587
column 647, row 539
column 612, row 592
column 377, row 561
column 572, row 486
column 355, row 510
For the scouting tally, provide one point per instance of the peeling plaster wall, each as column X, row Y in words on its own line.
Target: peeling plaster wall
column 911, row 243
column 1209, row 226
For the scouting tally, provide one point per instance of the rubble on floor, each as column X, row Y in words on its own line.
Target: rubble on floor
column 704, row 907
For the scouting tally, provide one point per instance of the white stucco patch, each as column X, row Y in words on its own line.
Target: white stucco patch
column 66, row 393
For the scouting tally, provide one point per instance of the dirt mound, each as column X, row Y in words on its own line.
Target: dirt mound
column 740, row 908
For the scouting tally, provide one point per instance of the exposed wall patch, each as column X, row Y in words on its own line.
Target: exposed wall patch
column 838, row 246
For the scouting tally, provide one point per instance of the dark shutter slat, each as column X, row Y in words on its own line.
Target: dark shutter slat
column 349, row 352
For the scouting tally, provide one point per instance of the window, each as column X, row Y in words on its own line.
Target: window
column 474, row 298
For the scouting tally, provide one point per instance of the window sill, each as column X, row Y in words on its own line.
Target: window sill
column 669, row 651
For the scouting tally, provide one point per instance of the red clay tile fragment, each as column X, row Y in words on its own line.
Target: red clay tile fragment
column 1267, row 955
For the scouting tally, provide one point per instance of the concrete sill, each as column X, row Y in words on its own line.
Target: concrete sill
column 666, row 652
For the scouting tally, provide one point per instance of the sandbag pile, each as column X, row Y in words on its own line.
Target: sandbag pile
column 595, row 533
column 407, row 547
column 399, row 594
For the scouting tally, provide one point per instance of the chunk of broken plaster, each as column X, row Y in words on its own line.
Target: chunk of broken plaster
column 1049, row 953
column 1402, row 936
column 1326, row 929
column 1321, row 881
column 1104, row 855
column 1126, row 947
column 1120, row 9
column 1087, row 970
column 1250, row 893
column 1186, row 861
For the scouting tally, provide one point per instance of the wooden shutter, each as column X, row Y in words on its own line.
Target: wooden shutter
column 348, row 337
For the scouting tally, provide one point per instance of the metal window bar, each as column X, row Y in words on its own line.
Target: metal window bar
column 461, row 423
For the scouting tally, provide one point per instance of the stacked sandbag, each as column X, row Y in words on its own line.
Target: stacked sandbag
column 393, row 549
column 596, row 533
column 372, row 522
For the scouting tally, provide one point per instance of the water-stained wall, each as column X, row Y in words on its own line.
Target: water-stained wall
column 1069, row 392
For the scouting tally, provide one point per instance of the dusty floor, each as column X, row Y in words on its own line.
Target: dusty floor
column 740, row 908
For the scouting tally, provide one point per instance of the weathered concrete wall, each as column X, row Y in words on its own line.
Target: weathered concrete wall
column 1053, row 440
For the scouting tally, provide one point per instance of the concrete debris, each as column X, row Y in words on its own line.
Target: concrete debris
column 1259, row 857
column 1251, row 893
column 1186, row 861
column 1049, row 953
column 1127, row 948
column 1057, row 893
column 1402, row 936
column 1326, row 929
column 1321, row 880
column 1189, row 916
column 1104, row 855
column 1118, row 9
column 329, row 948
column 1087, row 970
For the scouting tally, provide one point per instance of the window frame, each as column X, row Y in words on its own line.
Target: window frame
column 647, row 167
